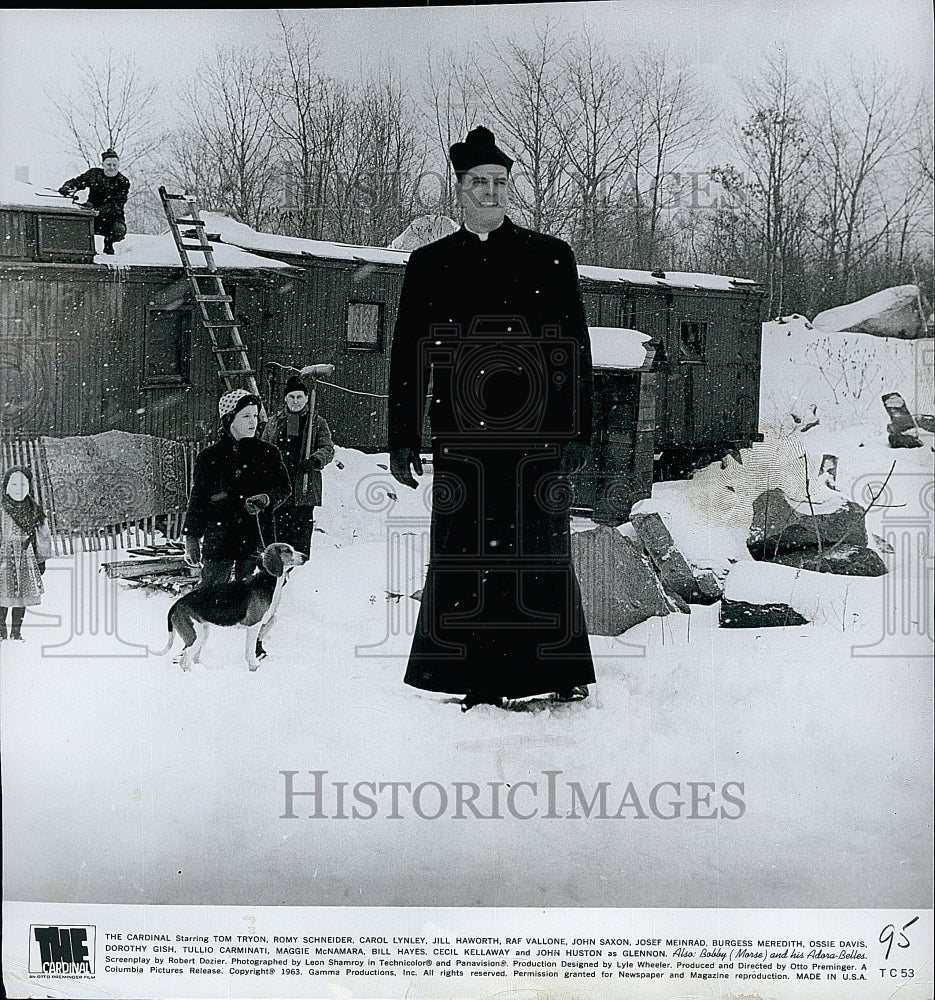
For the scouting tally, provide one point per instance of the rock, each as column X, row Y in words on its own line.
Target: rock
column 844, row 560
column 708, row 586
column 762, row 595
column 742, row 614
column 805, row 416
column 769, row 594
column 619, row 587
column 779, row 527
column 893, row 312
column 676, row 575
column 902, row 430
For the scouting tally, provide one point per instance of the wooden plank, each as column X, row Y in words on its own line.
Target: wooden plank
column 131, row 569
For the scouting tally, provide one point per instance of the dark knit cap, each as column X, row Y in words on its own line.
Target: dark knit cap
column 295, row 384
column 479, row 147
column 109, row 154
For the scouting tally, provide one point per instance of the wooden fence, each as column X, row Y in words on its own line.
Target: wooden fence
column 125, row 534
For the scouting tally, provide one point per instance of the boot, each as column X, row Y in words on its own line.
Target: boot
column 3, row 630
column 473, row 698
column 577, row 693
column 108, row 246
column 16, row 624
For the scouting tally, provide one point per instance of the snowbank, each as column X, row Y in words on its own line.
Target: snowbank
column 842, row 376
column 615, row 347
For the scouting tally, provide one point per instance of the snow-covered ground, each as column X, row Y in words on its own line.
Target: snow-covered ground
column 125, row 780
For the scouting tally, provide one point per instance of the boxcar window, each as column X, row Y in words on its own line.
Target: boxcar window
column 168, row 346
column 364, row 326
column 692, row 337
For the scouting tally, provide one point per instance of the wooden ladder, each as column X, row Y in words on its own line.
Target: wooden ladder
column 234, row 368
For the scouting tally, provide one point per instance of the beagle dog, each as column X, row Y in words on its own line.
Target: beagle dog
column 251, row 603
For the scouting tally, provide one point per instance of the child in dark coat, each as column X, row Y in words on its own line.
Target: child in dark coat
column 238, row 484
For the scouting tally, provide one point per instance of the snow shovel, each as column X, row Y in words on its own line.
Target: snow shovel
column 313, row 372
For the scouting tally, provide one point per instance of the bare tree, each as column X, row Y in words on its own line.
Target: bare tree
column 521, row 99
column 225, row 115
column 392, row 162
column 308, row 111
column 111, row 105
column 776, row 140
column 865, row 131
column 670, row 119
column 452, row 98
column 591, row 114
column 108, row 107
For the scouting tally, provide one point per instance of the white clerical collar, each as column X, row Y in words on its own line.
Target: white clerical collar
column 481, row 236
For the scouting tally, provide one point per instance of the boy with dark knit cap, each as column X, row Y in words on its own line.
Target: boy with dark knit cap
column 305, row 452
column 239, row 482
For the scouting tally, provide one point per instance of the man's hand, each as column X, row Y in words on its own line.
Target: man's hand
column 402, row 461
column 575, row 455
column 192, row 551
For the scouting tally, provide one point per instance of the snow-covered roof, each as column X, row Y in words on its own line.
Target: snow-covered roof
column 615, row 347
column 666, row 279
column 142, row 250
column 241, row 235
column 18, row 194
column 244, row 236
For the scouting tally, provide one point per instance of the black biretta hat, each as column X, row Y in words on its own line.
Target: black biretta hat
column 479, row 147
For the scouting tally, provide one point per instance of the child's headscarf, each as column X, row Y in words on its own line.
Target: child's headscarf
column 26, row 512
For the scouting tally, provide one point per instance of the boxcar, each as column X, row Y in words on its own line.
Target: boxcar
column 86, row 348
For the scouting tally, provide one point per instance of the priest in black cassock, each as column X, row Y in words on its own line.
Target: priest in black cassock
column 491, row 323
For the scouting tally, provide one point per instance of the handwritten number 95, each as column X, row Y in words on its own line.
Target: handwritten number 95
column 888, row 935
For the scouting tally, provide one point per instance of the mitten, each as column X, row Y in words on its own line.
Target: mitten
column 192, row 550
column 256, row 503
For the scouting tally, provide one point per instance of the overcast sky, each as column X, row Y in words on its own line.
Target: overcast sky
column 723, row 38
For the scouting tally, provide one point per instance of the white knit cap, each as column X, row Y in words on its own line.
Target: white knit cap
column 235, row 400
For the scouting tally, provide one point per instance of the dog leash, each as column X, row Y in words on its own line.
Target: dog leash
column 259, row 529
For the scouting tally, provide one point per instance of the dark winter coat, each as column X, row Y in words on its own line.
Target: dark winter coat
column 226, row 473
column 501, row 326
column 305, row 474
column 107, row 195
